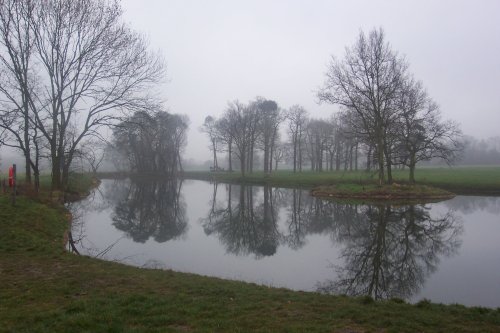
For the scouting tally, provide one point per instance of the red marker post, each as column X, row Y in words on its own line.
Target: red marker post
column 12, row 183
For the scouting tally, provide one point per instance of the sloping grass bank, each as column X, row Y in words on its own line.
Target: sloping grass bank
column 43, row 288
column 463, row 180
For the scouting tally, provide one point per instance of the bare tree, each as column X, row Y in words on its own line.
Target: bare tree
column 226, row 138
column 240, row 126
column 253, row 123
column 94, row 153
column 93, row 67
column 318, row 134
column 366, row 82
column 297, row 118
column 18, row 81
column 281, row 152
column 210, row 128
column 270, row 119
column 420, row 132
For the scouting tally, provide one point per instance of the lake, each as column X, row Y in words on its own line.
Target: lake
column 447, row 252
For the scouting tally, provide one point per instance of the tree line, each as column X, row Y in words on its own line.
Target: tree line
column 386, row 115
column 69, row 69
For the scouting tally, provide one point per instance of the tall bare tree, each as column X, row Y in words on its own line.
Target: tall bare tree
column 253, row 122
column 209, row 127
column 226, row 137
column 297, row 118
column 18, row 80
column 240, row 126
column 270, row 119
column 366, row 82
column 94, row 69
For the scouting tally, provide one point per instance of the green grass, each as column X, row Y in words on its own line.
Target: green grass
column 43, row 288
column 463, row 180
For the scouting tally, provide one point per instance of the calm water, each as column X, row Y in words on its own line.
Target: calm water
column 447, row 252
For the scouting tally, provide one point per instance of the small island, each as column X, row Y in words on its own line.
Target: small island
column 389, row 192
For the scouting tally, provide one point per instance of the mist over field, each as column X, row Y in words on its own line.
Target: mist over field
column 217, row 53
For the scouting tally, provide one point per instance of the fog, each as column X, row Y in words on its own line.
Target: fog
column 226, row 50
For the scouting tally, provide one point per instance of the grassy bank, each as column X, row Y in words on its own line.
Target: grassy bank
column 43, row 288
column 463, row 180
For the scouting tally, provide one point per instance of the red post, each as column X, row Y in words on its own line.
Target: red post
column 11, row 176
column 12, row 183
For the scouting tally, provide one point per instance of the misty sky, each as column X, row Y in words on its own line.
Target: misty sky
column 218, row 51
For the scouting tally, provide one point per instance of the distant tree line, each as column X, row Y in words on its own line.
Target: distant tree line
column 481, row 152
column 386, row 115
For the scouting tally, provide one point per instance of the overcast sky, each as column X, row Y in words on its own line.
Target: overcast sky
column 217, row 51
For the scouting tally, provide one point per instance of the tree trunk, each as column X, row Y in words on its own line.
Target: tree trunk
column 229, row 148
column 389, row 171
column 250, row 157
column 56, row 172
column 346, row 157
column 351, row 157
column 369, row 159
column 243, row 162
column 380, row 156
column 294, row 155
column 216, row 165
column 271, row 153
column 337, row 158
column 27, row 150
column 331, row 160
column 266, row 155
column 412, row 165
column 299, row 147
column 179, row 161
column 389, row 164
column 356, row 156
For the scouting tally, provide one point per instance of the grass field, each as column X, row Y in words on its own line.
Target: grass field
column 43, row 288
column 460, row 180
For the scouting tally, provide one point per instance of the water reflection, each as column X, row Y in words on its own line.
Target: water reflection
column 148, row 208
column 386, row 251
column 392, row 250
column 471, row 204
column 244, row 224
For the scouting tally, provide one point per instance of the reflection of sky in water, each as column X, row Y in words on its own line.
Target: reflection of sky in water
column 302, row 259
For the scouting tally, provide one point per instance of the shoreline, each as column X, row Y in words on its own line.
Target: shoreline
column 41, row 281
column 484, row 181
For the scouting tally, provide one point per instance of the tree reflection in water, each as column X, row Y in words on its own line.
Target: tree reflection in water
column 390, row 251
column 151, row 208
column 387, row 251
column 244, row 225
